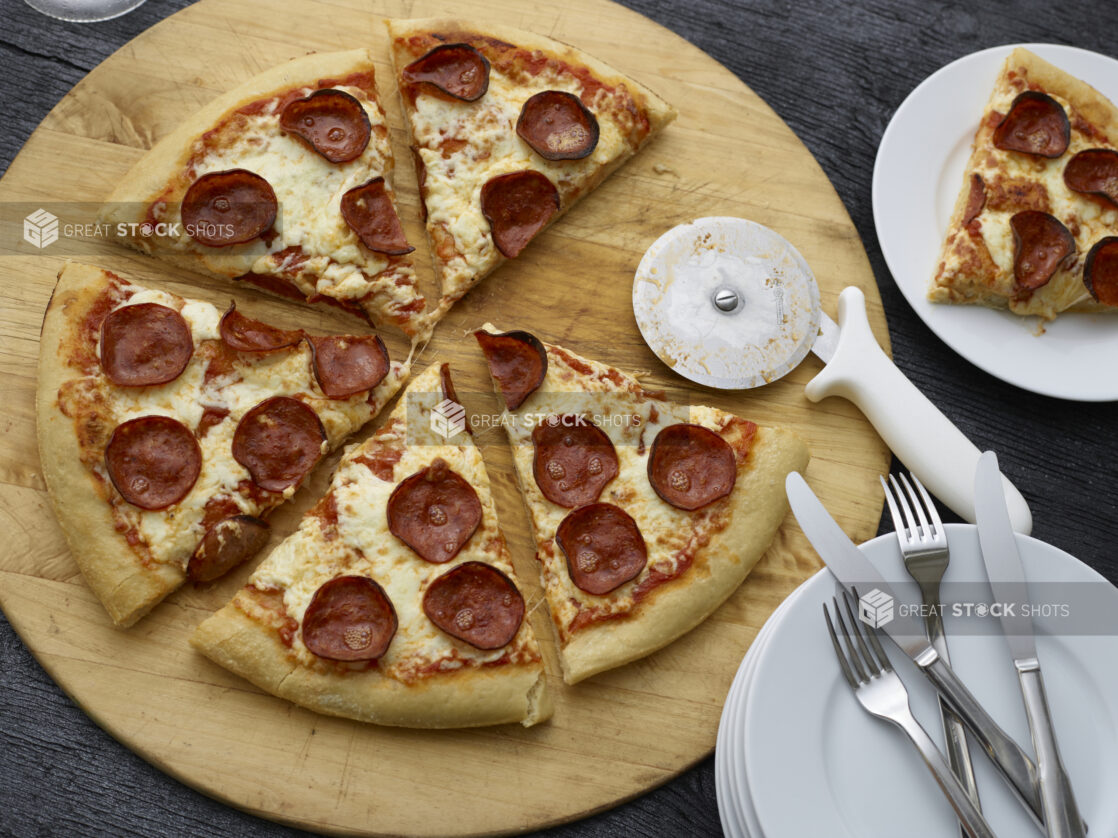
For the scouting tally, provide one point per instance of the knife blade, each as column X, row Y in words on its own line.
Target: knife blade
column 1010, row 589
column 850, row 567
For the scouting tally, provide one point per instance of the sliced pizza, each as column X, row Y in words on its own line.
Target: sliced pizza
column 509, row 129
column 168, row 429
column 395, row 601
column 1035, row 226
column 646, row 514
column 284, row 182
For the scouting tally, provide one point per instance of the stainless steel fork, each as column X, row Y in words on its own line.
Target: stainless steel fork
column 923, row 542
column 882, row 693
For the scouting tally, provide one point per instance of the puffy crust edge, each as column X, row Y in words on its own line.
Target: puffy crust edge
column 126, row 588
column 464, row 698
column 757, row 509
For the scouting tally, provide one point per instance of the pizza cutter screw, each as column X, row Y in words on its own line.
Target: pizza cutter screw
column 726, row 300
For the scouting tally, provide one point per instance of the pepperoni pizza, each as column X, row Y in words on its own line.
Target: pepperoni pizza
column 647, row 514
column 395, row 601
column 167, row 428
column 285, row 183
column 509, row 130
column 1035, row 227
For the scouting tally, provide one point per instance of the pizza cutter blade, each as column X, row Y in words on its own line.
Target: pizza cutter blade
column 729, row 303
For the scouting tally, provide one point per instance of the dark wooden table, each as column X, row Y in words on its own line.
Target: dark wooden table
column 835, row 72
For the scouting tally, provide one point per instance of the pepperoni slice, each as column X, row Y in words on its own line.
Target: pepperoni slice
column 369, row 213
column 230, row 207
column 476, row 603
column 145, row 344
column 434, row 512
column 558, row 126
column 225, row 545
column 1100, row 271
column 331, row 121
column 690, row 466
column 247, row 335
column 517, row 206
column 1094, row 172
column 1036, row 124
column 350, row 618
column 1041, row 245
column 458, row 70
column 976, row 200
column 517, row 361
column 574, row 460
column 153, row 461
column 346, row 365
column 604, row 547
column 278, row 441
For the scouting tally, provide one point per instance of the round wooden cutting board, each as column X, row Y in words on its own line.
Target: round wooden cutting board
column 613, row 736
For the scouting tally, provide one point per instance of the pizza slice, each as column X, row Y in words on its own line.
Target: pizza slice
column 647, row 514
column 284, row 182
column 168, row 429
column 509, row 129
column 1035, row 226
column 396, row 601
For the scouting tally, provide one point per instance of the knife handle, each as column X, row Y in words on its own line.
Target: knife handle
column 1006, row 754
column 925, row 440
column 1061, row 814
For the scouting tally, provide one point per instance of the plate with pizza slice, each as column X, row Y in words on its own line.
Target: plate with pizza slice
column 995, row 206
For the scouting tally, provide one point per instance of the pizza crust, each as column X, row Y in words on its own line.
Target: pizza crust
column 464, row 698
column 127, row 588
column 758, row 507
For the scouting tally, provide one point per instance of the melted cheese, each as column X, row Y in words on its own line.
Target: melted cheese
column 172, row 534
column 309, row 190
column 486, row 130
column 365, row 546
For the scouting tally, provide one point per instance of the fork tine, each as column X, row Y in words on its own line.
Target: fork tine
column 856, row 647
column 844, row 664
column 871, row 635
column 894, row 510
column 929, row 505
column 913, row 533
column 872, row 662
column 925, row 528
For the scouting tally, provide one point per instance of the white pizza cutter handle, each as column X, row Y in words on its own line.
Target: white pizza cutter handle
column 925, row 440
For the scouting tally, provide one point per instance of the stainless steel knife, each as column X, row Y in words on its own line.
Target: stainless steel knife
column 853, row 570
column 1007, row 582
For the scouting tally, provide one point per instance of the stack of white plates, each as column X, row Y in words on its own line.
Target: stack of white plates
column 798, row 757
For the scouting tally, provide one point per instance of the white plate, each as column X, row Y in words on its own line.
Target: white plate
column 916, row 179
column 735, row 808
column 818, row 764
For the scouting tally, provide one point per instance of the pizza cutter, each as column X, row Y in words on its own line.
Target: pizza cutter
column 729, row 303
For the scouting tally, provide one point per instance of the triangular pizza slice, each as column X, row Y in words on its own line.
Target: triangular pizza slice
column 509, row 129
column 395, row 601
column 1035, row 226
column 647, row 514
column 167, row 428
column 284, row 182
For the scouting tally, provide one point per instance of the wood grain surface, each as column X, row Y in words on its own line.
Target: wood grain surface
column 612, row 737
column 835, row 74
